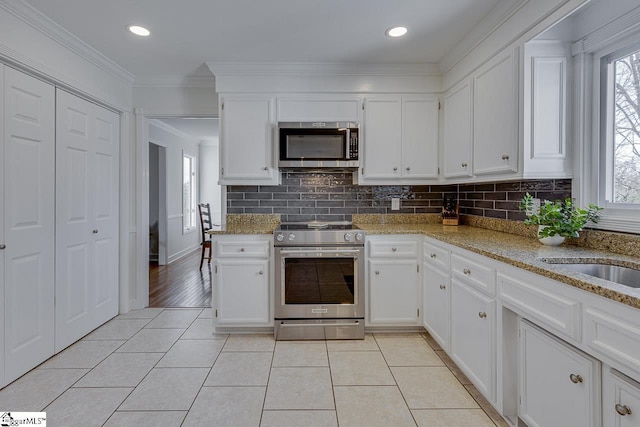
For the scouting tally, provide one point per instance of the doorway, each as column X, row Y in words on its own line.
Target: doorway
column 175, row 279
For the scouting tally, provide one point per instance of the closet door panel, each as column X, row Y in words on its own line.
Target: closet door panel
column 28, row 223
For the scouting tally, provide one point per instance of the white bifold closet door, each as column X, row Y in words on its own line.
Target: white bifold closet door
column 27, row 222
column 87, row 146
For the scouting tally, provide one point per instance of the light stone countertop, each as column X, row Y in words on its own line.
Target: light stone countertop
column 526, row 253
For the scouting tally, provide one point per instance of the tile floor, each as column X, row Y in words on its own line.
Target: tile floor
column 164, row 367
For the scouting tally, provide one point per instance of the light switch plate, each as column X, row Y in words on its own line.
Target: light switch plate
column 395, row 204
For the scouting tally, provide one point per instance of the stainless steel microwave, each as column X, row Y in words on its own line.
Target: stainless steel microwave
column 318, row 144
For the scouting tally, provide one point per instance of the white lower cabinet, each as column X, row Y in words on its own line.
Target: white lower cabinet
column 559, row 385
column 473, row 336
column 620, row 400
column 436, row 291
column 242, row 278
column 393, row 285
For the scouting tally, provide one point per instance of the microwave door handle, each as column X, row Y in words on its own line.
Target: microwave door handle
column 347, row 141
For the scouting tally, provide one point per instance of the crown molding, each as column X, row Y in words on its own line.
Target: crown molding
column 320, row 69
column 168, row 128
column 618, row 28
column 52, row 30
column 174, row 81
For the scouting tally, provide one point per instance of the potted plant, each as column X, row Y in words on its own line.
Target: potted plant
column 557, row 219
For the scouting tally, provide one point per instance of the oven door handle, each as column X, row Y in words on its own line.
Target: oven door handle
column 319, row 251
column 317, row 325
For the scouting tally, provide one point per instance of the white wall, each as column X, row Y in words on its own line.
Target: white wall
column 170, row 101
column 178, row 244
column 210, row 191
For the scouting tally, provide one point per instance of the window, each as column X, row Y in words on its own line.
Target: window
column 622, row 154
column 188, row 192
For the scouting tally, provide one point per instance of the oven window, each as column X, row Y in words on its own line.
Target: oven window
column 319, row 280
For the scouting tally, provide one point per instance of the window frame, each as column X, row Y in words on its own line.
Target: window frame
column 192, row 224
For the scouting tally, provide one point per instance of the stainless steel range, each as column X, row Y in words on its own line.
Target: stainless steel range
column 319, row 281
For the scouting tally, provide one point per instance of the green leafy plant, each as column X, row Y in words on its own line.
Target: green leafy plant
column 561, row 217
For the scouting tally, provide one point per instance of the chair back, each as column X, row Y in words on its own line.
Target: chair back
column 205, row 219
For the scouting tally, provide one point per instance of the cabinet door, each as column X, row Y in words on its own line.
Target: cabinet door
column 495, row 116
column 382, row 138
column 458, row 131
column 420, row 138
column 559, row 385
column 246, row 146
column 241, row 289
column 393, row 292
column 473, row 336
column 436, row 304
column 87, row 140
column 2, row 241
column 319, row 108
column 620, row 400
column 28, row 168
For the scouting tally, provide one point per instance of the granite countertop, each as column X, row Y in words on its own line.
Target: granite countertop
column 248, row 224
column 526, row 253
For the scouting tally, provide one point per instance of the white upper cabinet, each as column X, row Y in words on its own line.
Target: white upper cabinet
column 458, row 131
column 400, row 139
column 319, row 108
column 495, row 115
column 246, row 141
column 546, row 99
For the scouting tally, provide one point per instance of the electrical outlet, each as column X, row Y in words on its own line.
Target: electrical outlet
column 395, row 204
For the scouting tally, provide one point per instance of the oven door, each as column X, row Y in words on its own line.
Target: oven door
column 319, row 283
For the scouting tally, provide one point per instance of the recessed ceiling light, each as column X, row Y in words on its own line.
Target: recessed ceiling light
column 396, row 31
column 138, row 30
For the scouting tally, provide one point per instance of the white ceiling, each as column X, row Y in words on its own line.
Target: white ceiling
column 187, row 33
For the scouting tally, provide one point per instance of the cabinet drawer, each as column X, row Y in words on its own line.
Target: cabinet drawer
column 393, row 249
column 436, row 257
column 474, row 273
column 254, row 249
column 547, row 308
column 613, row 336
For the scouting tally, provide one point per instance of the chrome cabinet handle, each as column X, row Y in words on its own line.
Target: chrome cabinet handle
column 482, row 315
column 432, row 255
column 623, row 409
column 443, row 287
column 466, row 271
column 377, row 272
column 575, row 378
column 3, row 247
column 95, row 231
column 261, row 272
column 505, row 157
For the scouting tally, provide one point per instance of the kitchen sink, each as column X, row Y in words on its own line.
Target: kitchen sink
column 613, row 273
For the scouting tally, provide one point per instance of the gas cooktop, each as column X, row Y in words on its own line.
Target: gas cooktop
column 318, row 234
column 317, row 226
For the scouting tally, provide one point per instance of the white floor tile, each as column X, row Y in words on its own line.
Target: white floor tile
column 299, row 418
column 37, row 389
column 359, row 368
column 240, row 369
column 299, row 388
column 408, row 351
column 83, row 354
column 201, row 329
column 372, row 406
column 146, row 419
column 117, row 329
column 452, row 418
column 367, row 344
column 308, row 353
column 432, row 388
column 175, row 318
column 120, row 370
column 207, row 313
column 226, row 407
column 263, row 342
column 168, row 389
column 143, row 313
column 85, row 407
column 192, row 354
column 151, row 341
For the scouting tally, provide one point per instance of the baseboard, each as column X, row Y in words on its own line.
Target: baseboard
column 181, row 254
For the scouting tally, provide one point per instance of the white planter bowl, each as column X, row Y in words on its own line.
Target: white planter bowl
column 550, row 241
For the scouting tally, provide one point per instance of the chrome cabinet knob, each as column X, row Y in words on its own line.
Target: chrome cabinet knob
column 482, row 315
column 395, row 169
column 408, row 168
column 241, row 249
column 575, row 378
column 95, row 231
column 432, row 255
column 464, row 165
column 377, row 272
column 2, row 247
column 505, row 157
column 266, row 168
column 261, row 272
column 394, row 249
column 466, row 271
column 443, row 287
column 623, row 409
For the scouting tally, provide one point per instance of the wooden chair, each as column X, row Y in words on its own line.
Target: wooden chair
column 205, row 224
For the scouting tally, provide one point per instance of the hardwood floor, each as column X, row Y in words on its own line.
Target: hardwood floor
column 181, row 283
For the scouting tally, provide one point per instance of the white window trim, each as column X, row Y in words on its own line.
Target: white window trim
column 194, row 162
column 590, row 127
